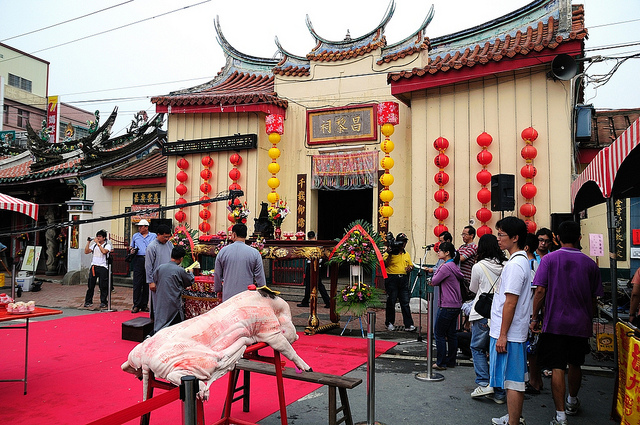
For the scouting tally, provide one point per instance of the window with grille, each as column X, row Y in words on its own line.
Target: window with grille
column 5, row 114
column 23, row 117
column 19, row 82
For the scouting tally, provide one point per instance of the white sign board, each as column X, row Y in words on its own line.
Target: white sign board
column 31, row 258
column 596, row 244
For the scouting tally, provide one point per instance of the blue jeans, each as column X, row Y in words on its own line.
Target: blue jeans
column 446, row 332
column 479, row 351
column 397, row 288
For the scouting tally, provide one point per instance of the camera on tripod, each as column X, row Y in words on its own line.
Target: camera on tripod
column 395, row 245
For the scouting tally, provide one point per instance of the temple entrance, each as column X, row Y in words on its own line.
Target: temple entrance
column 338, row 208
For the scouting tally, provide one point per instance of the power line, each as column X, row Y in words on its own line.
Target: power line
column 612, row 23
column 65, row 22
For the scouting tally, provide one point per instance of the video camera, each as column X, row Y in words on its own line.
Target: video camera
column 395, row 245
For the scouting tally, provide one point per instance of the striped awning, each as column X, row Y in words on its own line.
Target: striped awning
column 14, row 204
column 604, row 168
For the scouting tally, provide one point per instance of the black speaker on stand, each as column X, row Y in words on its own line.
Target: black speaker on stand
column 502, row 192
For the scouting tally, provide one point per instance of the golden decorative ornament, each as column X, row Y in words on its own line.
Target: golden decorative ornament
column 386, row 179
column 274, row 138
column 386, row 163
column 387, row 146
column 273, row 167
column 387, row 129
column 386, row 196
column 273, row 197
column 274, row 153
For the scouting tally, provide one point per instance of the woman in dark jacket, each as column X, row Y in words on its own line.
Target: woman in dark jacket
column 447, row 277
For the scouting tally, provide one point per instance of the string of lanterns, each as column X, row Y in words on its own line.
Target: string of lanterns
column 205, row 188
column 181, row 188
column 528, row 171
column 388, row 117
column 441, row 178
column 484, row 178
column 235, row 160
column 274, row 126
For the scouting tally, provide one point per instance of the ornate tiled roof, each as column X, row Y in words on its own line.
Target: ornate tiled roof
column 501, row 39
column 415, row 43
column 22, row 172
column 152, row 165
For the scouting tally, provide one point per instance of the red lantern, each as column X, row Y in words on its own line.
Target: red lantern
column 205, row 214
column 441, row 143
column 439, row 229
column 529, row 134
column 231, row 217
column 206, row 174
column 484, row 196
column 234, row 186
column 204, row 227
column 181, row 189
column 441, row 160
column 531, row 226
column 180, row 216
column 207, row 161
column 205, row 188
column 236, row 201
column 205, row 198
column 529, row 152
column 181, row 201
column 484, row 139
column 388, row 113
column 441, row 178
column 235, row 159
column 441, row 213
column 484, row 230
column 528, row 171
column 441, row 196
column 183, row 164
column 484, row 157
column 528, row 210
column 528, row 190
column 234, row 174
column 484, row 215
column 182, row 176
column 483, row 177
column 274, row 123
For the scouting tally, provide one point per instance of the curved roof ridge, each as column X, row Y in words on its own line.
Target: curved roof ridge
column 236, row 54
column 287, row 53
column 411, row 44
column 379, row 29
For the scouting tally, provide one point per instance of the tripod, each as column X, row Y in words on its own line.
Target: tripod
column 417, row 281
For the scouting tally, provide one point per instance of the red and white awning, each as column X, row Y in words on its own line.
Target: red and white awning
column 14, row 204
column 604, row 168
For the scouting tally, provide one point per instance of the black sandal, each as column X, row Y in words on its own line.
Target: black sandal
column 531, row 390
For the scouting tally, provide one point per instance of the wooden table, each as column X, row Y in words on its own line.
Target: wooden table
column 5, row 317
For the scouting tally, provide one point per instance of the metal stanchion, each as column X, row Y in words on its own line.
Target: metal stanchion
column 13, row 281
column 188, row 392
column 109, row 283
column 371, row 370
column 429, row 375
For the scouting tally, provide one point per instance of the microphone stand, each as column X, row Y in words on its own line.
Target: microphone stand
column 416, row 282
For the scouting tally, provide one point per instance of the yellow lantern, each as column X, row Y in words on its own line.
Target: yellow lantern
column 274, row 138
column 273, row 182
column 386, row 196
column 386, row 211
column 386, row 146
column 387, row 129
column 386, row 179
column 274, row 153
column 273, row 197
column 386, row 163
column 273, row 167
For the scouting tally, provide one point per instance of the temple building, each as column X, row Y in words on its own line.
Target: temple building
column 493, row 100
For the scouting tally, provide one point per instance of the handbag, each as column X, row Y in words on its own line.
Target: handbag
column 465, row 292
column 130, row 256
column 485, row 300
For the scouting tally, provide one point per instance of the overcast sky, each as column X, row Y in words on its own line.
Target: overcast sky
column 152, row 55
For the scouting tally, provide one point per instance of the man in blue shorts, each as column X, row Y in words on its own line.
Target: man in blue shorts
column 568, row 283
column 510, row 321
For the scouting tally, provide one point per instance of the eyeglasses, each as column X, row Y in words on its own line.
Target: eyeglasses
column 464, row 234
column 502, row 235
column 544, row 240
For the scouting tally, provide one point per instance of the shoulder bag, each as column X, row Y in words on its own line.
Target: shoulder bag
column 483, row 305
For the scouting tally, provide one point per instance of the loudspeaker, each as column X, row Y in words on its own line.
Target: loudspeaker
column 502, row 192
column 563, row 67
column 155, row 222
column 557, row 218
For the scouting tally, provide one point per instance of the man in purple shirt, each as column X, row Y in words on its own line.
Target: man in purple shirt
column 568, row 283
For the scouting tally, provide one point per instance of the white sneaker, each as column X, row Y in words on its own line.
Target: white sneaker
column 572, row 408
column 555, row 421
column 391, row 327
column 504, row 420
column 481, row 391
column 411, row 329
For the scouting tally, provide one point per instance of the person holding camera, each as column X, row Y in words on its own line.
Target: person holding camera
column 100, row 248
column 138, row 248
column 399, row 265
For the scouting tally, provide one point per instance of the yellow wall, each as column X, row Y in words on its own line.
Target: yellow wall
column 27, row 67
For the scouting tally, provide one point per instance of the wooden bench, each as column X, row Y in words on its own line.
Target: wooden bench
column 343, row 383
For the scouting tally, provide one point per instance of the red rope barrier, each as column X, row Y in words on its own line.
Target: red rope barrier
column 137, row 410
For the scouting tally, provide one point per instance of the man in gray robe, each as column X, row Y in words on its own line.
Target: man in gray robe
column 238, row 265
column 158, row 253
column 171, row 278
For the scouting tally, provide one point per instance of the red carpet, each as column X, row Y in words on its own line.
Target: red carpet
column 75, row 376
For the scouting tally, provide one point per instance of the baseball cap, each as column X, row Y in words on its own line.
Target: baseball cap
column 143, row 223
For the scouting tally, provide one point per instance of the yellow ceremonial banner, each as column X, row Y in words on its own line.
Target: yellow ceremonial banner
column 628, row 383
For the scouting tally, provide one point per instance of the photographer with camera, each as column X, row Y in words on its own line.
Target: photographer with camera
column 100, row 248
column 399, row 265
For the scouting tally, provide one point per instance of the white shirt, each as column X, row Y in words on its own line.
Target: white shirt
column 516, row 280
column 99, row 259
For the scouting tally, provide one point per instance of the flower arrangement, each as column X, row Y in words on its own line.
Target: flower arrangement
column 240, row 212
column 183, row 236
column 278, row 213
column 258, row 244
column 357, row 298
